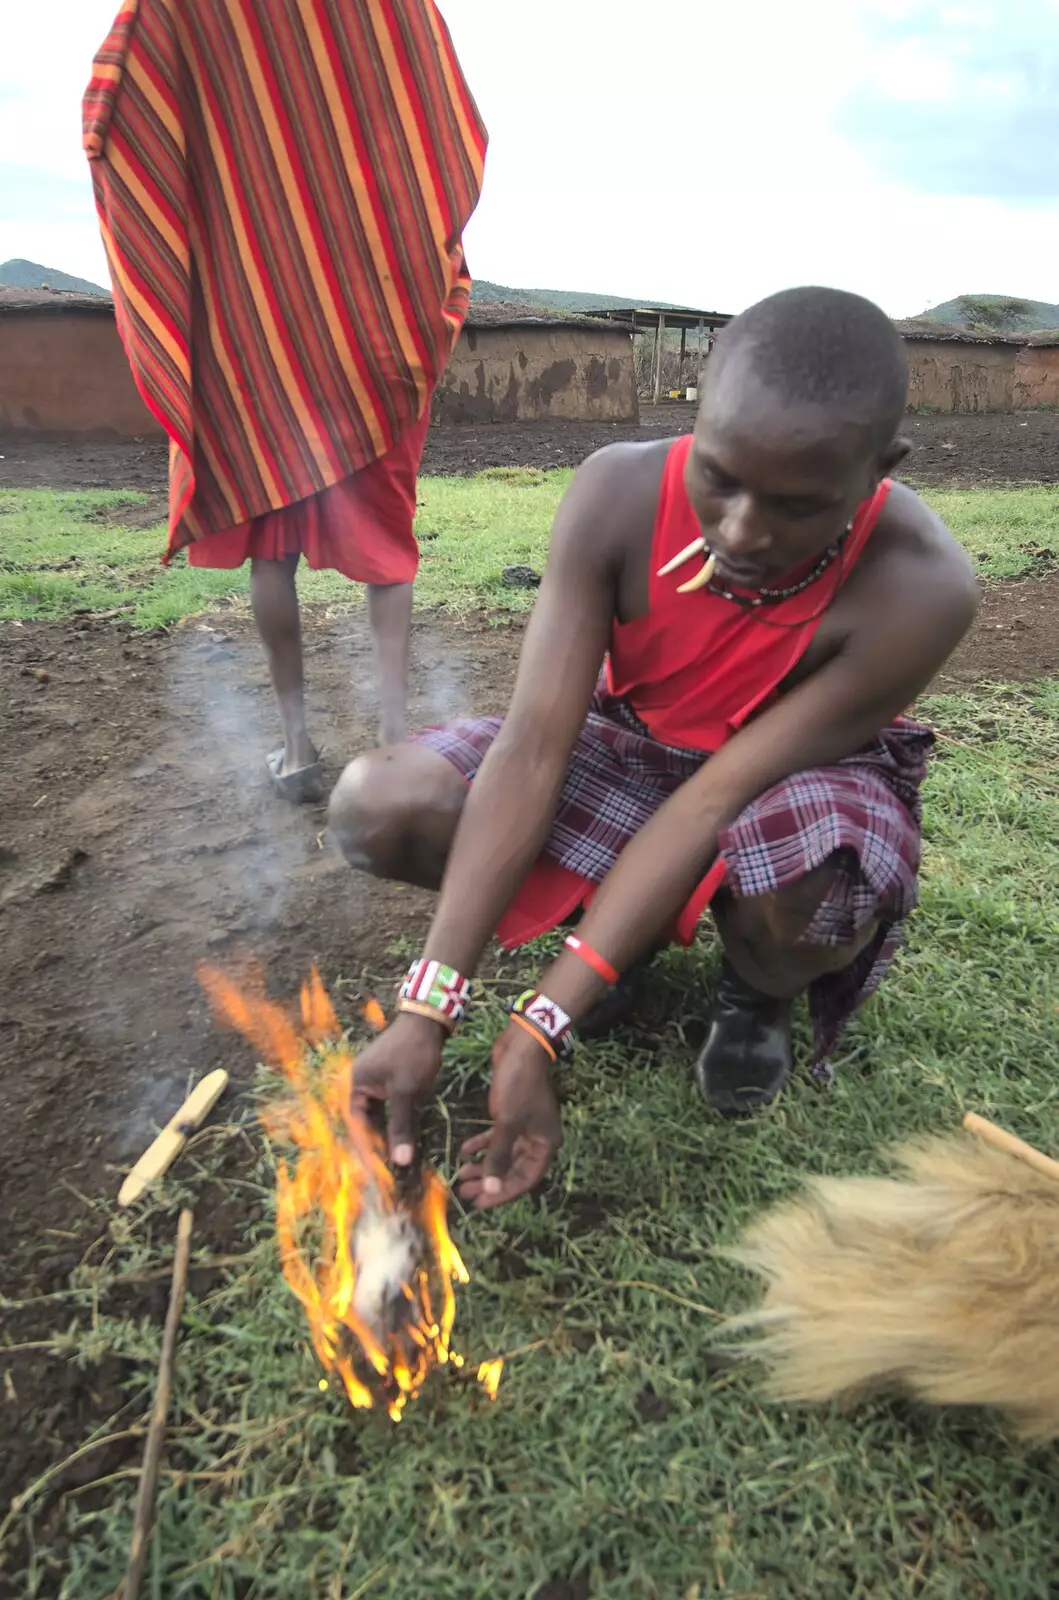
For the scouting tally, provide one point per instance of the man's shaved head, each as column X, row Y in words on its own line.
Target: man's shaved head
column 822, row 348
column 797, row 427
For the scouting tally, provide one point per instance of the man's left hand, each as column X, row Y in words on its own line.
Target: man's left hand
column 515, row 1153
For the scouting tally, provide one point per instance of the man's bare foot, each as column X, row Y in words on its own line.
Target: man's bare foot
column 300, row 785
column 298, row 751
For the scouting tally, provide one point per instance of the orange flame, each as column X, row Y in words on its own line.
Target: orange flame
column 376, row 1276
column 489, row 1375
column 374, row 1015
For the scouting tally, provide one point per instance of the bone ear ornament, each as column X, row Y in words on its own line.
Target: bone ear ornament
column 704, row 574
column 701, row 578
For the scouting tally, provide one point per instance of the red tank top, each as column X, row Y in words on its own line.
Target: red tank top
column 696, row 666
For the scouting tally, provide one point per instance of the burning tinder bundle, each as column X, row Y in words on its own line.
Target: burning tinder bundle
column 943, row 1282
column 375, row 1269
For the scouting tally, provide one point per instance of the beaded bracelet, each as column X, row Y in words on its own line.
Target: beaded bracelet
column 430, row 1012
column 593, row 959
column 433, row 990
column 547, row 1022
column 535, row 1033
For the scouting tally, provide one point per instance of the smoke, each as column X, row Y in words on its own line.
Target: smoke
column 439, row 679
column 221, row 684
column 213, row 867
column 442, row 680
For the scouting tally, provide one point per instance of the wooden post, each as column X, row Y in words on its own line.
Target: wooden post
column 683, row 352
column 660, row 343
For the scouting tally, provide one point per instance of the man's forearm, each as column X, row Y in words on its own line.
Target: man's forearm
column 660, row 869
column 646, row 889
column 504, row 824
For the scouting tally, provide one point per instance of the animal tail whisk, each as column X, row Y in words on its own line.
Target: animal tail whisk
column 942, row 1282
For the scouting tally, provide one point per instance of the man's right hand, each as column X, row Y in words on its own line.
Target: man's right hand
column 401, row 1068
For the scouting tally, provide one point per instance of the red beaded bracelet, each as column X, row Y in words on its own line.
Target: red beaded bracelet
column 593, row 959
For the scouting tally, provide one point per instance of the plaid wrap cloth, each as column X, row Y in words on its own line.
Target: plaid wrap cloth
column 865, row 810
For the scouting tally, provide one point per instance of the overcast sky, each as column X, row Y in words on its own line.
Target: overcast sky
column 705, row 154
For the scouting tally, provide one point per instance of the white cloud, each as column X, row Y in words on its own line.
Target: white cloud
column 910, row 70
column 963, row 101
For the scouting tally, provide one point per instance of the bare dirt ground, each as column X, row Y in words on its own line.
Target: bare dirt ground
column 138, row 834
column 952, row 451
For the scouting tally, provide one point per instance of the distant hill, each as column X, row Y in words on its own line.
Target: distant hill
column 557, row 299
column 30, row 275
column 1003, row 312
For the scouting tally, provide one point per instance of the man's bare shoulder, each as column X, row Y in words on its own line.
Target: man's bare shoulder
column 623, row 477
column 611, row 504
column 913, row 556
column 628, row 459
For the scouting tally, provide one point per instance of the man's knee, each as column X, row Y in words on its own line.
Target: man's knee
column 784, row 916
column 779, row 919
column 363, row 809
column 393, row 812
column 766, row 933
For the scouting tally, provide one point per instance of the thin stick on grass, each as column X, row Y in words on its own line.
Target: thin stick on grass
column 667, row 1294
column 1040, row 775
column 144, row 1514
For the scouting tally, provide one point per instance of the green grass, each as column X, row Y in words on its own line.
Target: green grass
column 1004, row 529
column 617, row 1457
column 57, row 557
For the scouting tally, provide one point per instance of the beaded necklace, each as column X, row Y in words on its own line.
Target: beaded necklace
column 772, row 597
column 704, row 579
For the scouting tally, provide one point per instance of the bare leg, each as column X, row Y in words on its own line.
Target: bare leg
column 274, row 595
column 747, row 1056
column 390, row 616
column 763, row 936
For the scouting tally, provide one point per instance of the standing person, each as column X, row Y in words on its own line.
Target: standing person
column 769, row 604
column 282, row 187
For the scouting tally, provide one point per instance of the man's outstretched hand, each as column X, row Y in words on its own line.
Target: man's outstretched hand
column 517, row 1150
column 401, row 1068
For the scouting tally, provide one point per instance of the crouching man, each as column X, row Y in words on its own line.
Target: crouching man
column 765, row 604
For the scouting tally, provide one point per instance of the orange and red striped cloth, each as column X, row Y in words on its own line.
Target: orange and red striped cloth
column 282, row 187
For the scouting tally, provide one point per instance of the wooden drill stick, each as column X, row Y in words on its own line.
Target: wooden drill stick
column 152, row 1455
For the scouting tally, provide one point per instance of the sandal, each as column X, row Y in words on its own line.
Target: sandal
column 303, row 786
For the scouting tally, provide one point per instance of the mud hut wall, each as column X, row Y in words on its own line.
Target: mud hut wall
column 516, row 374
column 65, row 374
column 1036, row 377
column 949, row 375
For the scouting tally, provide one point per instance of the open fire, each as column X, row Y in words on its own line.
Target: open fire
column 375, row 1269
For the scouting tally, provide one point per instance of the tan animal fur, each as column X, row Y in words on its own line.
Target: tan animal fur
column 943, row 1283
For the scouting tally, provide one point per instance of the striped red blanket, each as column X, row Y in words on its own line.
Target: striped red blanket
column 282, row 187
